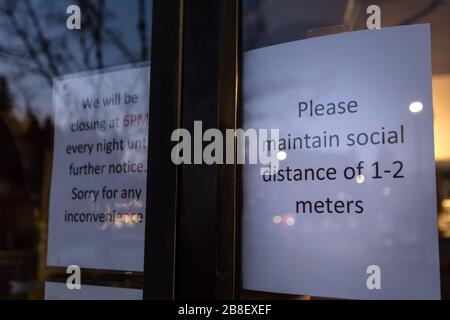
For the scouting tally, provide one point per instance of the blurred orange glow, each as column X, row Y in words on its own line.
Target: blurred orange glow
column 441, row 101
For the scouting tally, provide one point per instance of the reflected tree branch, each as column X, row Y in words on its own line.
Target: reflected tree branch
column 44, row 43
column 38, row 47
column 142, row 28
column 9, row 10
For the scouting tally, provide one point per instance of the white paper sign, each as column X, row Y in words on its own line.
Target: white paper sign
column 99, row 174
column 59, row 291
column 351, row 213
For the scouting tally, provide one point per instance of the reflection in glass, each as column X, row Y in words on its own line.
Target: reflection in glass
column 35, row 48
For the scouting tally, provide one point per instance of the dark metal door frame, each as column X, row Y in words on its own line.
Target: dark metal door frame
column 192, row 233
column 162, row 177
column 206, row 244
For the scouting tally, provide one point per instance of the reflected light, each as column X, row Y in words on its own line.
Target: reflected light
column 360, row 179
column 444, row 219
column 416, row 106
column 446, row 204
column 444, row 224
column 277, row 219
column 290, row 221
column 281, row 155
column 441, row 102
column 386, row 191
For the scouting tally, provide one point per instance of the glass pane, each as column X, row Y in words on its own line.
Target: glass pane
column 285, row 68
column 51, row 74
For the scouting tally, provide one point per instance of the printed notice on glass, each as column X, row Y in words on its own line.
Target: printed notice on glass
column 60, row 291
column 350, row 211
column 99, row 172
